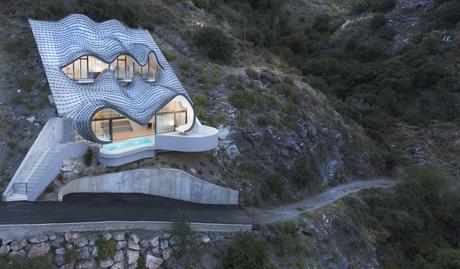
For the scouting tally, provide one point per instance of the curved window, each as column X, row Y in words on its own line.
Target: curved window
column 87, row 68
column 109, row 125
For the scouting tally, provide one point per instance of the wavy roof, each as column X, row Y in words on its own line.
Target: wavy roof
column 62, row 42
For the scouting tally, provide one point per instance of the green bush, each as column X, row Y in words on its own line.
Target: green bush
column 200, row 99
column 360, row 6
column 17, row 46
column 305, row 174
column 186, row 68
column 378, row 21
column 169, row 55
column 106, row 248
column 242, row 99
column 70, row 255
column 209, row 78
column 43, row 262
column 247, row 252
column 214, row 43
column 288, row 241
column 183, row 234
column 88, row 157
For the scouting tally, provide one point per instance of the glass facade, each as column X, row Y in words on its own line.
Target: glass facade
column 109, row 125
column 87, row 68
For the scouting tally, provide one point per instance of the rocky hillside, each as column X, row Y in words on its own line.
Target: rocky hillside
column 280, row 138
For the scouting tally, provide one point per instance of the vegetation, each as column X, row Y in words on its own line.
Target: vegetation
column 106, row 248
column 70, row 255
column 417, row 225
column 247, row 252
column 288, row 241
column 88, row 157
column 214, row 43
column 183, row 233
column 43, row 262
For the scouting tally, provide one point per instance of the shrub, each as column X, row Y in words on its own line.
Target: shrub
column 450, row 14
column 209, row 78
column 17, row 45
column 378, row 21
column 214, row 43
column 169, row 55
column 200, row 99
column 242, row 99
column 288, row 241
column 321, row 23
column 305, row 173
column 88, row 157
column 70, row 255
column 186, row 68
column 43, row 262
column 183, row 234
column 247, row 252
column 106, row 248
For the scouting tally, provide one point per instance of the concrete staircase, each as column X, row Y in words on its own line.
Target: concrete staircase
column 42, row 162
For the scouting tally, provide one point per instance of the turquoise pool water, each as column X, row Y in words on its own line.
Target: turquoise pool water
column 129, row 143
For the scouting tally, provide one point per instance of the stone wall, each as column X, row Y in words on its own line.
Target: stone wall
column 169, row 183
column 80, row 250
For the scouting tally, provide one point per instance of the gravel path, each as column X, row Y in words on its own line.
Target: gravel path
column 270, row 215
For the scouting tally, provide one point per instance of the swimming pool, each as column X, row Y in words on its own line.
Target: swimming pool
column 129, row 143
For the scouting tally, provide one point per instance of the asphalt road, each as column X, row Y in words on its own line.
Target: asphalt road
column 121, row 207
column 270, row 215
column 130, row 207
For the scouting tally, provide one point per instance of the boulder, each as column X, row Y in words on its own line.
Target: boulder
column 84, row 253
column 156, row 250
column 155, row 242
column 167, row 254
column 59, row 260
column 39, row 249
column 120, row 236
column 118, row 265
column 133, row 245
column 81, row 242
column 106, row 263
column 135, row 238
column 38, row 239
column 59, row 251
column 121, row 244
column 4, row 249
column 132, row 256
column 56, row 240
column 119, row 256
column 107, row 236
column 205, row 239
column 18, row 245
column 85, row 264
column 21, row 253
column 164, row 244
column 153, row 262
column 144, row 244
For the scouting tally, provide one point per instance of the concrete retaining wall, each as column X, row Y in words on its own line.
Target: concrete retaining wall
column 169, row 183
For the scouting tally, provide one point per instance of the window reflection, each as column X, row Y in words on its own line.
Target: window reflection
column 87, row 68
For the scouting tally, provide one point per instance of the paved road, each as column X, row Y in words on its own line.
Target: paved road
column 314, row 202
column 107, row 207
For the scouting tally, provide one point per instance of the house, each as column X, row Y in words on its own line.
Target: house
column 114, row 91
column 119, row 90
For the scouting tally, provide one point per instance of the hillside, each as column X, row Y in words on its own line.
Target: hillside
column 306, row 95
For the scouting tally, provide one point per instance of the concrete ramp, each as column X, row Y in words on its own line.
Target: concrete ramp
column 169, row 183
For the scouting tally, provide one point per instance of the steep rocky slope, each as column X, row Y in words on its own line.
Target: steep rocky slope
column 262, row 145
